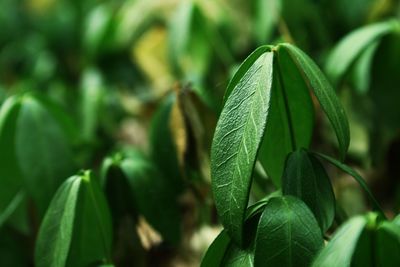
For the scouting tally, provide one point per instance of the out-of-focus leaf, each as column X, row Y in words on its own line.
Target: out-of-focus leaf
column 43, row 153
column 154, row 196
column 291, row 117
column 339, row 251
column 76, row 230
column 287, row 234
column 362, row 68
column 97, row 24
column 325, row 94
column 92, row 95
column 216, row 251
column 236, row 142
column 163, row 149
column 305, row 177
column 356, row 176
column 10, row 176
column 267, row 13
column 350, row 48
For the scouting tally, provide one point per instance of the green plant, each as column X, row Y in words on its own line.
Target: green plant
column 268, row 115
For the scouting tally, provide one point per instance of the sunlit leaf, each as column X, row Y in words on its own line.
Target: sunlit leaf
column 236, row 141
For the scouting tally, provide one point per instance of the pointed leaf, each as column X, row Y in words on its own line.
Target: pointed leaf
column 325, row 94
column 76, row 230
column 306, row 179
column 287, row 235
column 339, row 251
column 236, row 142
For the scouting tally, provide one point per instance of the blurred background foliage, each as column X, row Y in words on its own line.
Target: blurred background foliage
column 132, row 89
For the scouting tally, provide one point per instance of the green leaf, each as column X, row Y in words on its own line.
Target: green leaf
column 352, row 46
column 43, row 153
column 236, row 142
column 264, row 26
column 10, row 175
column 306, row 179
column 244, row 67
column 325, row 94
column 356, row 176
column 216, row 251
column 76, row 230
column 291, row 117
column 287, row 235
column 339, row 251
column 238, row 257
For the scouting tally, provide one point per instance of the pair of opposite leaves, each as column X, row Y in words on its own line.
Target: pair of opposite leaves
column 268, row 113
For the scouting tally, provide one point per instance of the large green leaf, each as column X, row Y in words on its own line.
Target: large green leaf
column 291, row 117
column 352, row 46
column 76, row 230
column 339, row 251
column 306, row 178
column 43, row 153
column 325, row 94
column 356, row 176
column 287, row 235
column 10, row 176
column 237, row 138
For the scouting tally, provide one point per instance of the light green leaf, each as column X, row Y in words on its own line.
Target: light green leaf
column 325, row 94
column 356, row 176
column 339, row 251
column 306, row 178
column 216, row 251
column 76, row 230
column 350, row 48
column 291, row 117
column 287, row 235
column 236, row 142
